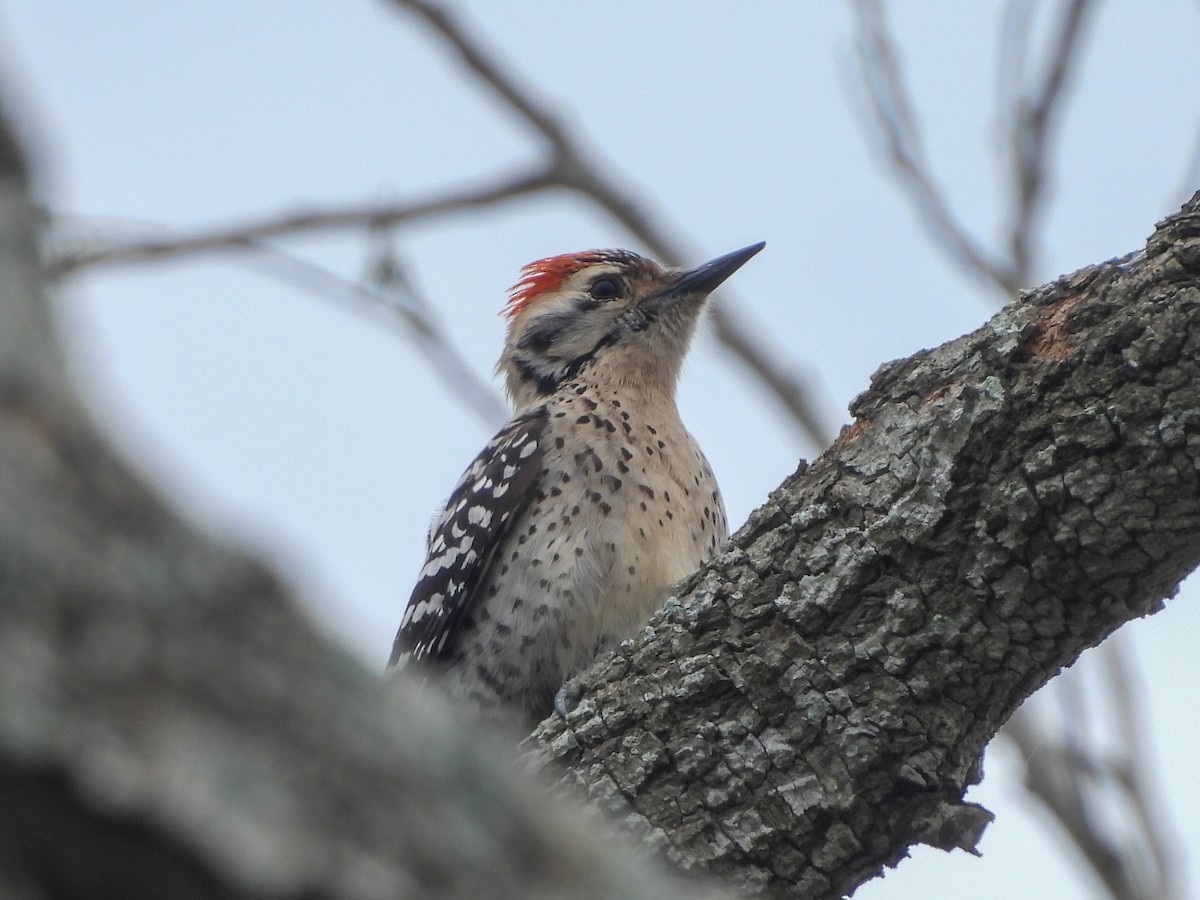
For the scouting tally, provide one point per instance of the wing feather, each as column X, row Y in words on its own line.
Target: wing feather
column 490, row 496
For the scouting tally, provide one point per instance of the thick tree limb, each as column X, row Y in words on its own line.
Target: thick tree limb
column 818, row 697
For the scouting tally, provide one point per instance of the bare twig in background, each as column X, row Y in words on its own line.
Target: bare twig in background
column 393, row 288
column 442, row 203
column 1056, row 777
column 1133, row 854
column 1031, row 113
column 385, row 296
column 896, row 125
column 1033, row 118
column 389, row 290
column 1136, row 776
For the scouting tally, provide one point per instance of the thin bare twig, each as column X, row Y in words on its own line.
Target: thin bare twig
column 393, row 287
column 1136, row 775
column 1032, row 118
column 887, row 93
column 1134, row 854
column 392, row 293
column 1053, row 775
column 1034, row 115
column 441, row 203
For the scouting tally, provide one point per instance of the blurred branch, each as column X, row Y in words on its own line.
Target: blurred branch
column 1133, row 853
column 1135, row 774
column 896, row 124
column 389, row 290
column 393, row 288
column 386, row 296
column 1054, row 776
column 441, row 203
column 1032, row 118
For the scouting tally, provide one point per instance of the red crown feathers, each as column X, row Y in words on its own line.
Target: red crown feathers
column 550, row 273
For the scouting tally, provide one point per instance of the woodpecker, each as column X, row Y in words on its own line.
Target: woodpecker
column 575, row 521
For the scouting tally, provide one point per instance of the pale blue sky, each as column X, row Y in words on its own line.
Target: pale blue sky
column 326, row 442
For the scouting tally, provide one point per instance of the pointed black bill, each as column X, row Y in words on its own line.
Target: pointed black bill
column 703, row 279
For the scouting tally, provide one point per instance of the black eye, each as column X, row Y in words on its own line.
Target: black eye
column 606, row 287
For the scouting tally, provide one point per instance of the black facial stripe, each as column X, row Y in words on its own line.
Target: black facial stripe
column 575, row 366
column 545, row 332
column 548, row 382
column 545, row 382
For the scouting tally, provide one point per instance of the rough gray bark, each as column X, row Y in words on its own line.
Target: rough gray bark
column 817, row 699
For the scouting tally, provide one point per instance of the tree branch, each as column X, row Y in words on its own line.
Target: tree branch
column 897, row 126
column 818, row 697
column 386, row 215
column 1033, row 118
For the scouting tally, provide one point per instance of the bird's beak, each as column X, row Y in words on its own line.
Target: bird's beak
column 703, row 279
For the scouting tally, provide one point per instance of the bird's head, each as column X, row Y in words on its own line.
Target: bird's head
column 605, row 314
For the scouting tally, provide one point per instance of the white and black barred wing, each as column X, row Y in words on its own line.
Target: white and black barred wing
column 491, row 494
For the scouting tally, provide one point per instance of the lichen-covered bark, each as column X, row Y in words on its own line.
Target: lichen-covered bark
column 817, row 699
